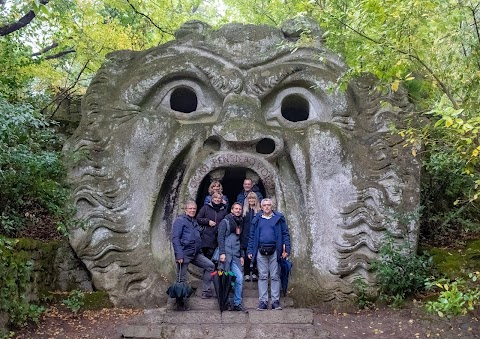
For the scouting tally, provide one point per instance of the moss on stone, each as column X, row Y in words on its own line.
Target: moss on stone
column 457, row 263
column 97, row 300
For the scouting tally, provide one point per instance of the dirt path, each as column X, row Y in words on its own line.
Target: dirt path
column 411, row 322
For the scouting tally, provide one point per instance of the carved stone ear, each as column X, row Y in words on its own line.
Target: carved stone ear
column 193, row 26
column 293, row 28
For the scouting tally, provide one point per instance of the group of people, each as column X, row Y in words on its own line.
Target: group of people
column 251, row 238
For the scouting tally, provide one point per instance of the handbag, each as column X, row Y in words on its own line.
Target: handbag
column 216, row 255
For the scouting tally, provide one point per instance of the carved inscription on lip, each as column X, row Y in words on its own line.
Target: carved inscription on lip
column 234, row 160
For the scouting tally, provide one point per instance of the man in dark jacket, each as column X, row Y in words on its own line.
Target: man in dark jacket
column 187, row 246
column 248, row 187
column 269, row 240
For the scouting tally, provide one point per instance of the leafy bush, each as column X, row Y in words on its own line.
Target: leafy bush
column 455, row 297
column 32, row 175
column 15, row 270
column 75, row 300
column 399, row 271
column 365, row 298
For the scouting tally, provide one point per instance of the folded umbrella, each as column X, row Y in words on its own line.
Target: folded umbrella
column 179, row 289
column 223, row 282
column 285, row 269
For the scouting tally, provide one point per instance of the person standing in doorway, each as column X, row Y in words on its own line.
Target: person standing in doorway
column 231, row 255
column 215, row 187
column 269, row 241
column 187, row 248
column 248, row 187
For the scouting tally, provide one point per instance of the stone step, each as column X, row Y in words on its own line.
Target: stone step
column 286, row 316
column 246, row 293
column 197, row 303
column 247, row 285
column 236, row 331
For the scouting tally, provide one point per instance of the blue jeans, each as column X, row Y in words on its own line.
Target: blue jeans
column 268, row 264
column 237, row 298
column 203, row 262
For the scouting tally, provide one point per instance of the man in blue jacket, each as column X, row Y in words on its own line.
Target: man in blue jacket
column 187, row 246
column 269, row 240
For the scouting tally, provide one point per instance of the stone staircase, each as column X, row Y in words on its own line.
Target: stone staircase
column 204, row 320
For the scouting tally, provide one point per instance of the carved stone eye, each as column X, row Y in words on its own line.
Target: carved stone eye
column 295, row 108
column 184, row 100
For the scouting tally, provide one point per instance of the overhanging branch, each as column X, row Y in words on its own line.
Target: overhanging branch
column 22, row 22
column 45, row 50
column 60, row 54
column 149, row 19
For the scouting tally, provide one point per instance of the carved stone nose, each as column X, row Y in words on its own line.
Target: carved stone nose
column 241, row 130
column 238, row 106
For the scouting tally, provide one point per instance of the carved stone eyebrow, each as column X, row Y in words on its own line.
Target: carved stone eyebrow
column 261, row 81
column 224, row 75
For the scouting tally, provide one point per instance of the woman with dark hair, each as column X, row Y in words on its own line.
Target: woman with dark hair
column 215, row 187
column 251, row 207
column 209, row 218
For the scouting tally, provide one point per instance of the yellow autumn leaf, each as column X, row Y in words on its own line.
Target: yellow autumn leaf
column 395, row 85
column 475, row 153
column 448, row 122
column 414, row 151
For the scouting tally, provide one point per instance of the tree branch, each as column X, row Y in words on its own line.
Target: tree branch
column 67, row 91
column 22, row 22
column 149, row 19
column 60, row 54
column 410, row 55
column 45, row 50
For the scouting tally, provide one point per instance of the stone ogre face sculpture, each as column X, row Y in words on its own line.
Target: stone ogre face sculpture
column 157, row 126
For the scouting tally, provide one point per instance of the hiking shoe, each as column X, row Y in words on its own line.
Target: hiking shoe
column 247, row 278
column 276, row 305
column 254, row 277
column 207, row 295
column 262, row 306
column 240, row 308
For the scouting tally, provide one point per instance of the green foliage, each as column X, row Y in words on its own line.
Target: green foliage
column 13, row 57
column 75, row 300
column 456, row 297
column 31, row 171
column 399, row 271
column 15, row 270
column 365, row 298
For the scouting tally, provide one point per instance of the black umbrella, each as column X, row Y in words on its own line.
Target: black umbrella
column 223, row 282
column 179, row 290
column 285, row 269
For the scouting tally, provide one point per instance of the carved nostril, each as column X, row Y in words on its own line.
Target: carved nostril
column 212, row 143
column 265, row 146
